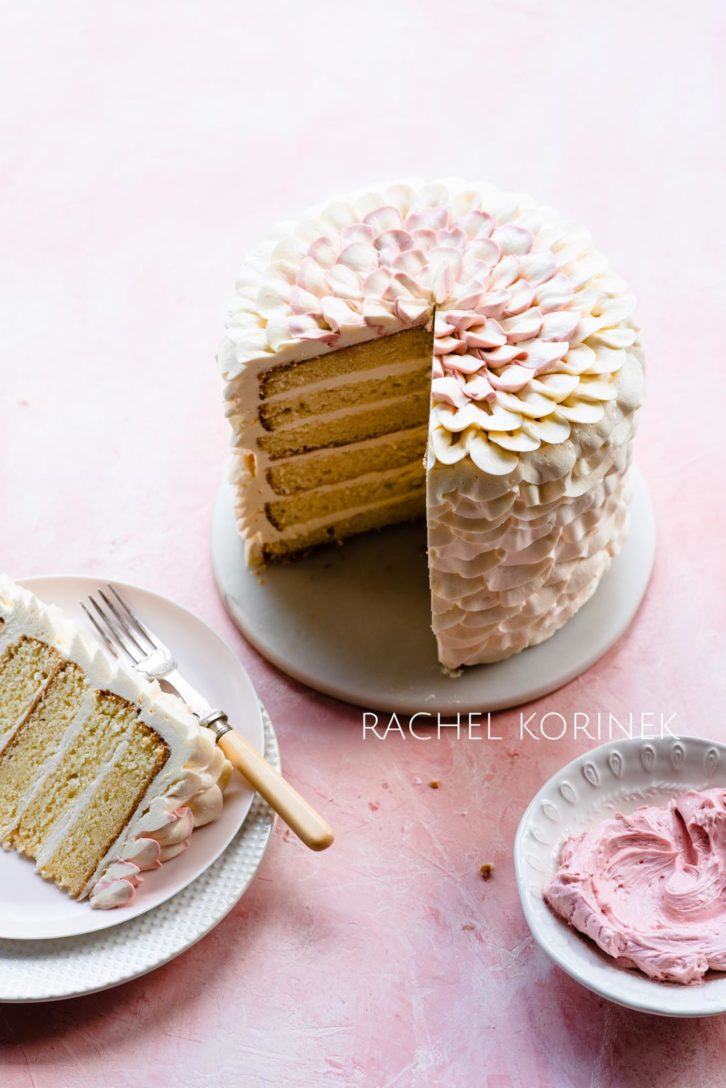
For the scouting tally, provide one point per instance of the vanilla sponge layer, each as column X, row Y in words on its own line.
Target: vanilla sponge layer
column 107, row 810
column 369, row 489
column 325, row 467
column 74, row 764
column 377, row 354
column 392, row 512
column 333, row 402
column 25, row 667
column 107, row 721
column 332, row 446
column 358, row 422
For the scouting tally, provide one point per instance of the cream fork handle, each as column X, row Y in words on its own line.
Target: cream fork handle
column 298, row 814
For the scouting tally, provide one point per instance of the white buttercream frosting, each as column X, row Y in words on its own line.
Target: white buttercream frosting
column 186, row 793
column 531, row 325
column 512, row 558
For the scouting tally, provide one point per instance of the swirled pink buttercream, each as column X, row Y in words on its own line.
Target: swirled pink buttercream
column 650, row 888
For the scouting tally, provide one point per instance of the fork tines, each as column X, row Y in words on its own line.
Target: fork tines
column 118, row 627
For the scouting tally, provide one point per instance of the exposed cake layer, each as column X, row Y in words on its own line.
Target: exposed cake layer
column 333, row 403
column 325, row 467
column 302, row 539
column 109, row 803
column 87, row 751
column 35, row 741
column 356, row 373
column 329, row 501
column 25, row 667
column 391, row 354
column 347, row 425
column 512, row 559
column 333, row 445
column 106, row 721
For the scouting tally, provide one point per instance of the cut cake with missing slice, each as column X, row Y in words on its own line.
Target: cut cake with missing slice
column 448, row 351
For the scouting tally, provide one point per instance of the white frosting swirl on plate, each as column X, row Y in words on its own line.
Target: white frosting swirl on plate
column 530, row 324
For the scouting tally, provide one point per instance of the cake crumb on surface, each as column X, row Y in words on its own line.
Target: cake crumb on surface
column 435, row 784
column 486, row 871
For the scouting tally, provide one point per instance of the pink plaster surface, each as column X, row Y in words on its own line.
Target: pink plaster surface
column 144, row 148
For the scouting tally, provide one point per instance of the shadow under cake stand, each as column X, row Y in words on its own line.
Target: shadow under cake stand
column 354, row 622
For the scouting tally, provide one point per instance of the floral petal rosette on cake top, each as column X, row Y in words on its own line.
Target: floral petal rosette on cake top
column 533, row 375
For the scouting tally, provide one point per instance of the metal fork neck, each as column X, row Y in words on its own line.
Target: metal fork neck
column 217, row 721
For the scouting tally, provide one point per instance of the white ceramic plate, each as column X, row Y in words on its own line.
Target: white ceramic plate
column 355, row 622
column 71, row 966
column 619, row 776
column 31, row 907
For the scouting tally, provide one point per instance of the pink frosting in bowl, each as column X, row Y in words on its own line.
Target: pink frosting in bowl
column 649, row 888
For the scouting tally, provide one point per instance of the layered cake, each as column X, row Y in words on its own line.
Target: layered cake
column 102, row 775
column 443, row 351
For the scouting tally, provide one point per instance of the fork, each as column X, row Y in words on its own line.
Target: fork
column 123, row 633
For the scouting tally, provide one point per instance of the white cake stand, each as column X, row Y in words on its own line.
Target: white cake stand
column 354, row 621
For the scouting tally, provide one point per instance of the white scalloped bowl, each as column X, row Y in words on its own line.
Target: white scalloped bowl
column 618, row 776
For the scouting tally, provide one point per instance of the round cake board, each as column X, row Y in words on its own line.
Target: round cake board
column 354, row 622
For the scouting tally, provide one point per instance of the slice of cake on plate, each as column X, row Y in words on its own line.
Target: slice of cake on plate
column 102, row 775
column 443, row 351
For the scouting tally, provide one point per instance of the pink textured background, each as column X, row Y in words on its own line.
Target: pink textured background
column 144, row 147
